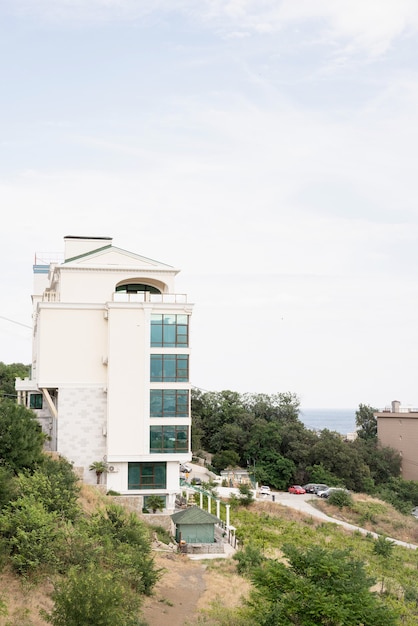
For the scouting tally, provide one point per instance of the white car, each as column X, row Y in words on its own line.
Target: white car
column 264, row 490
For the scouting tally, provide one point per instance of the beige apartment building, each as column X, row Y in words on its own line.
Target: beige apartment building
column 110, row 377
column 397, row 428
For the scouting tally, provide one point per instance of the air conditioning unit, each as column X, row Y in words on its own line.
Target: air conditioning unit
column 112, row 469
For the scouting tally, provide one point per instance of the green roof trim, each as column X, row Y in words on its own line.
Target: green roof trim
column 194, row 515
column 111, row 246
column 80, row 256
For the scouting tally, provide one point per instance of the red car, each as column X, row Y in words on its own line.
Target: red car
column 296, row 489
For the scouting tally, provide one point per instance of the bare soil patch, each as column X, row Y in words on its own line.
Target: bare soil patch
column 386, row 520
column 24, row 601
column 187, row 587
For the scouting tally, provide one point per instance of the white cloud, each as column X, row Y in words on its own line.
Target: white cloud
column 368, row 25
column 353, row 26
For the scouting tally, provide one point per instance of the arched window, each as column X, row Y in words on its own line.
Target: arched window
column 136, row 287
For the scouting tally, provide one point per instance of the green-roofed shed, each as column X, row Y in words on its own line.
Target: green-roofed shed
column 194, row 525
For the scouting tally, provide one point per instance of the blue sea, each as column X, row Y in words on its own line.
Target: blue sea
column 342, row 421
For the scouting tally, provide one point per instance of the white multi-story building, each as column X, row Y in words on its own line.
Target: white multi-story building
column 110, row 368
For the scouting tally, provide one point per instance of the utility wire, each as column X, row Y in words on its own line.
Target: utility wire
column 14, row 322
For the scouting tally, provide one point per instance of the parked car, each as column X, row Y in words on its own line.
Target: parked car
column 296, row 489
column 314, row 487
column 309, row 487
column 265, row 490
column 327, row 492
column 320, row 487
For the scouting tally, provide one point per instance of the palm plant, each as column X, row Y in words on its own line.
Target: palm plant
column 155, row 503
column 100, row 467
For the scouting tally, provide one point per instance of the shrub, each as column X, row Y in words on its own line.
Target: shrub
column 162, row 534
column 248, row 558
column 316, row 587
column 7, row 487
column 126, row 546
column 93, row 597
column 55, row 485
column 340, row 499
column 246, row 496
column 21, row 437
column 32, row 535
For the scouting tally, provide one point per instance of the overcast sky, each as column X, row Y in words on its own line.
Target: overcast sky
column 267, row 148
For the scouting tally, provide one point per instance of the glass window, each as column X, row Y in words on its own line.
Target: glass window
column 169, row 367
column 35, row 401
column 169, row 403
column 169, row 330
column 136, row 287
column 147, row 475
column 169, row 439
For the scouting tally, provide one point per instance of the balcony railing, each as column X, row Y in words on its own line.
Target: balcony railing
column 50, row 296
column 146, row 296
column 401, row 409
column 141, row 296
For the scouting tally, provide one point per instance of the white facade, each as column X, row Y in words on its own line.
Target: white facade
column 92, row 352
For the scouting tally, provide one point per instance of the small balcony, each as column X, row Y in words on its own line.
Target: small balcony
column 50, row 296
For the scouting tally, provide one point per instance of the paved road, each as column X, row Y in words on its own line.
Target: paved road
column 301, row 502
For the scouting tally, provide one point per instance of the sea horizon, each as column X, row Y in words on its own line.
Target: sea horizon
column 339, row 420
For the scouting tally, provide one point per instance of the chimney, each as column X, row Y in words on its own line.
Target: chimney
column 396, row 405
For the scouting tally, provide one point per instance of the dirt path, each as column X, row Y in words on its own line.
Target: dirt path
column 177, row 593
column 186, row 587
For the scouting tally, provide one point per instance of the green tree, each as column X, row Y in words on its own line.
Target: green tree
column 212, row 410
column 21, row 437
column 383, row 462
column 319, row 474
column 317, row 587
column 231, row 437
column 275, row 470
column 278, row 407
column 226, row 419
column 225, row 458
column 366, row 422
column 8, row 374
column 383, row 547
column 341, row 458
